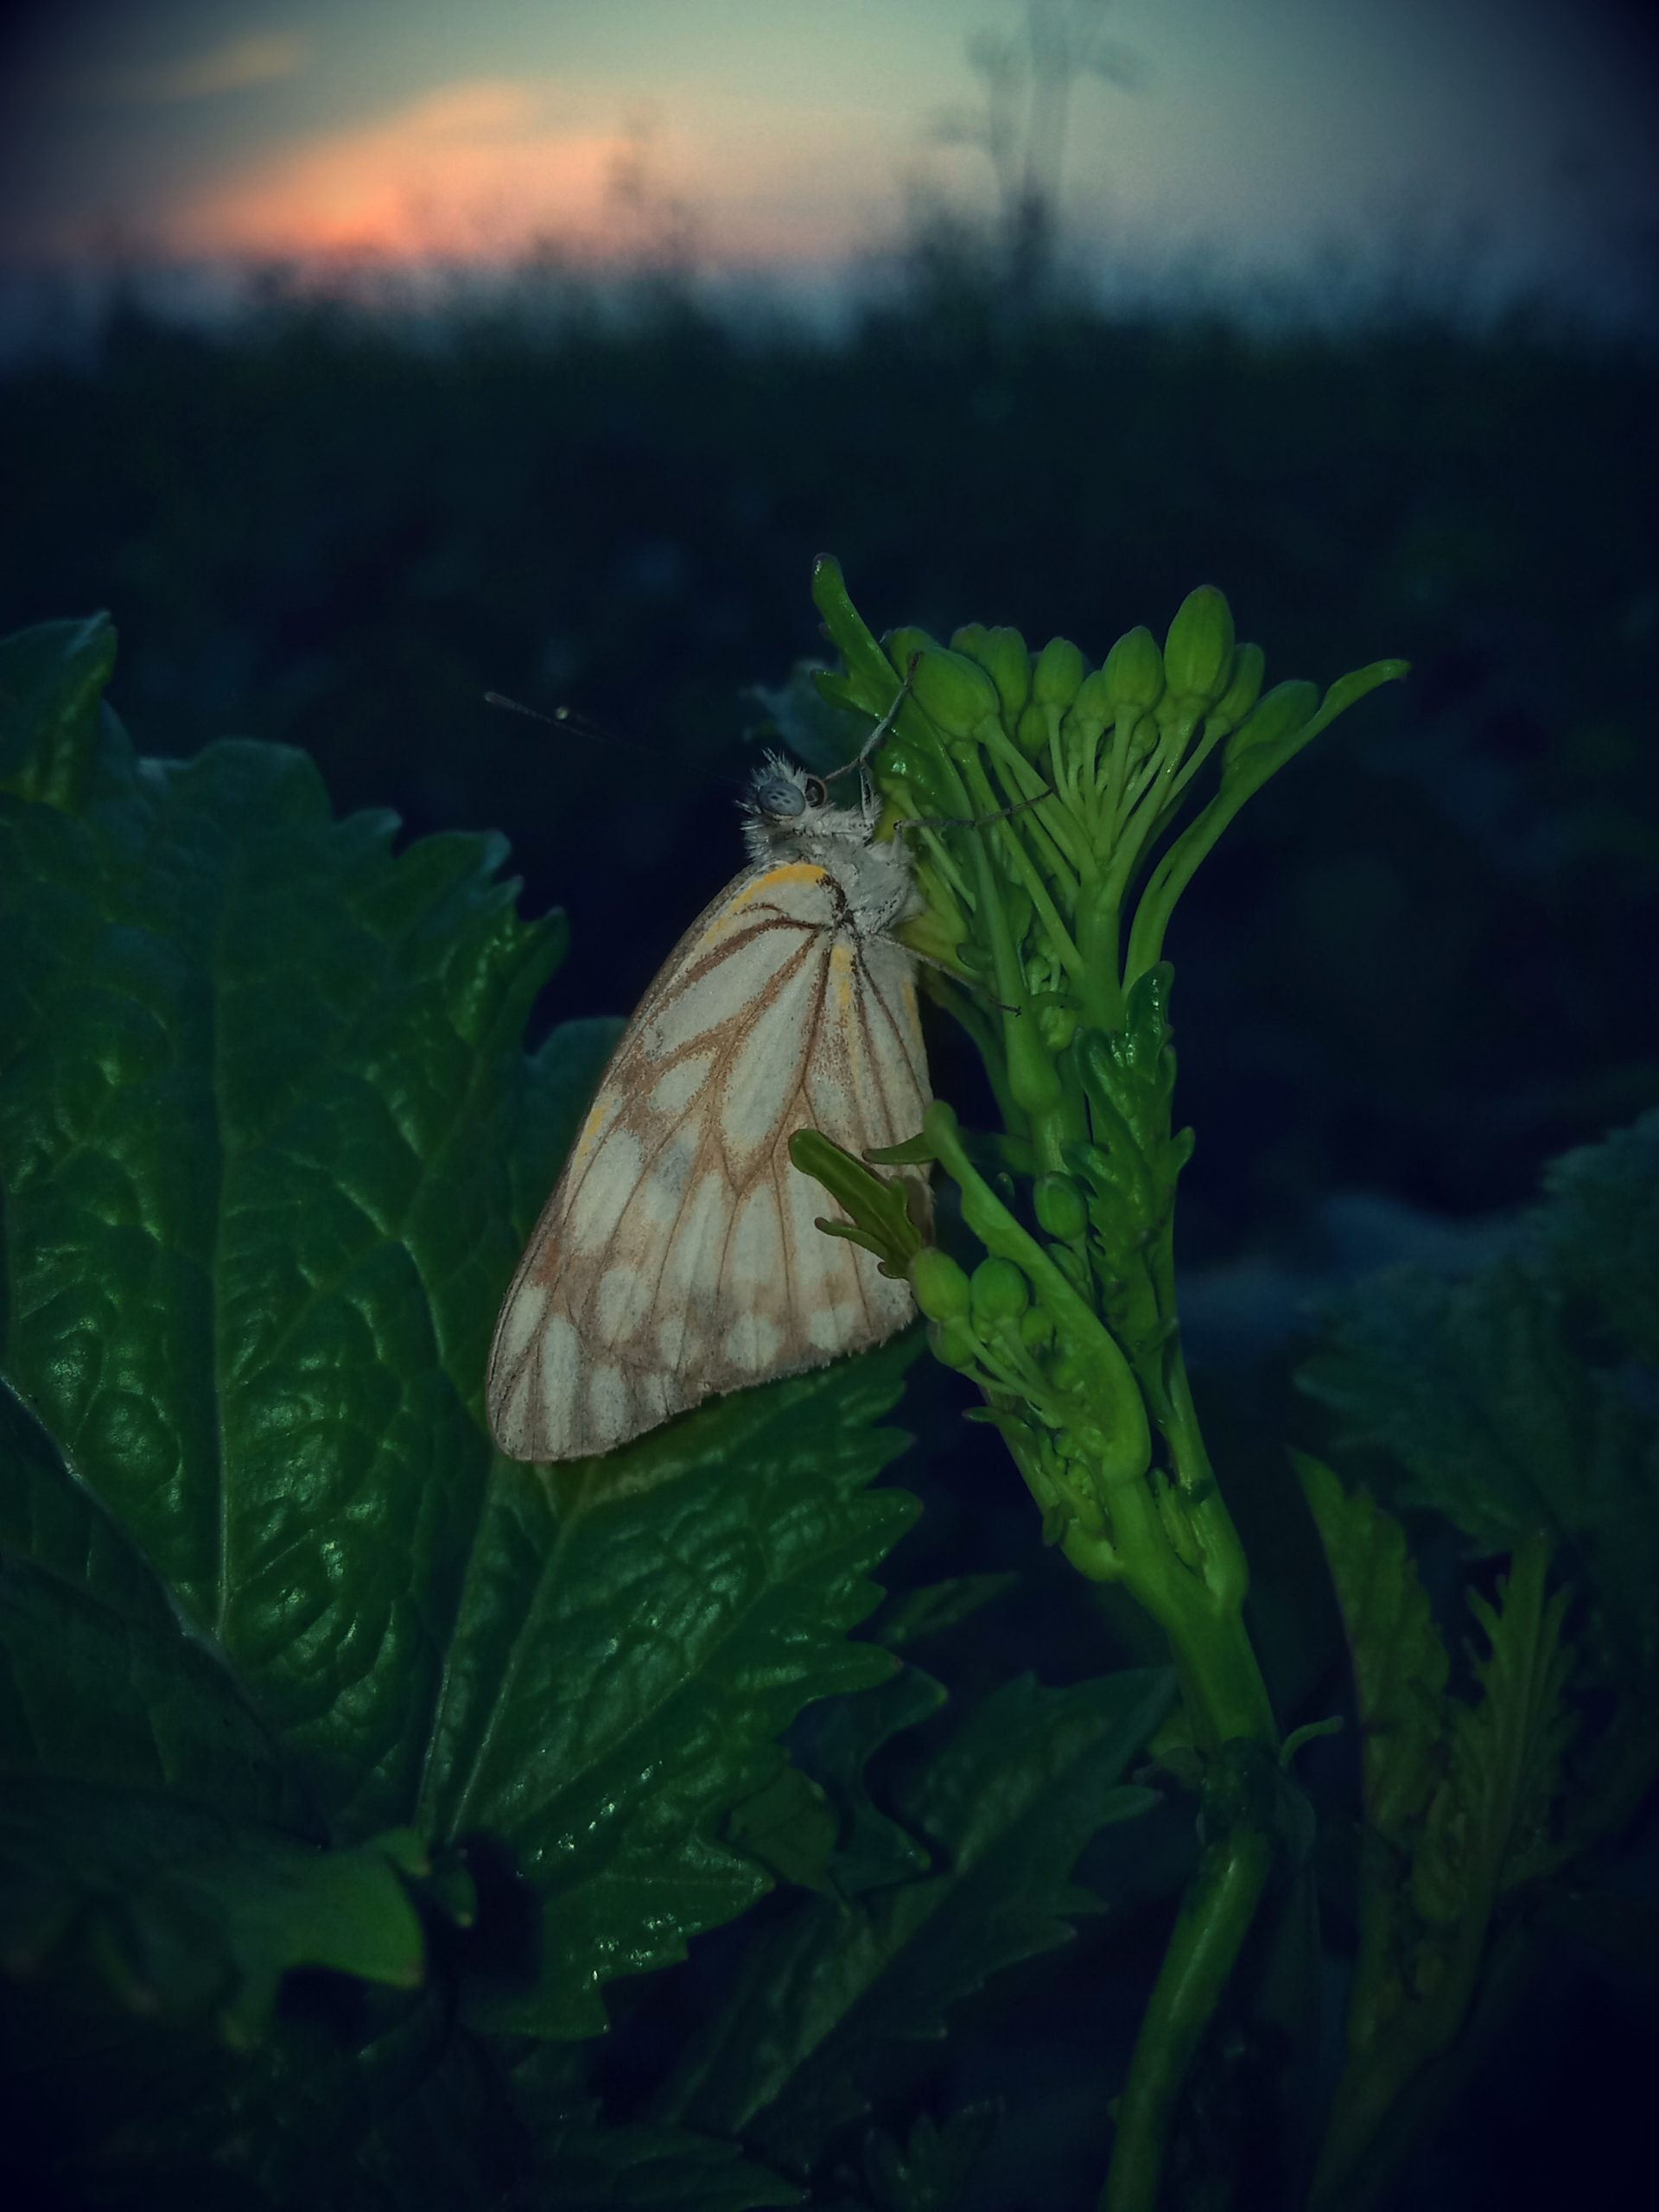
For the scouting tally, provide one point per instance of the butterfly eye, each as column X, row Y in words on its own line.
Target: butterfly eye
column 815, row 792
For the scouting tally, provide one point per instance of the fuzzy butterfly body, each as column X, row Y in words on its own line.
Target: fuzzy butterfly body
column 678, row 1256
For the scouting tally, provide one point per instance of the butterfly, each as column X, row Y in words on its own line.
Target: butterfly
column 678, row 1256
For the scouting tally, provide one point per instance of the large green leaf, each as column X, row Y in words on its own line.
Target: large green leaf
column 835, row 1743
column 98, row 1685
column 399, row 2115
column 269, row 1144
column 260, row 1084
column 1600, row 1232
column 1513, row 1403
column 635, row 1634
column 52, row 681
column 146, row 1842
column 181, row 1916
column 1006, row 1804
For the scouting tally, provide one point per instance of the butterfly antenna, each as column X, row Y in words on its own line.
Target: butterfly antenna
column 966, row 821
column 516, row 707
column 566, row 718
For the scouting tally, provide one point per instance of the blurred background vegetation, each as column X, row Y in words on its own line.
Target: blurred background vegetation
column 1420, row 966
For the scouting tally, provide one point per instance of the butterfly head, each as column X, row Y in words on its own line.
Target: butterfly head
column 787, row 805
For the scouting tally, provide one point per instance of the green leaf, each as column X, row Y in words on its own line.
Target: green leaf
column 1007, row 1805
column 182, row 1914
column 262, row 1084
column 97, row 1684
column 1471, row 1388
column 837, row 1741
column 410, row 2119
column 931, row 2170
column 665, row 2166
column 580, row 2161
column 1399, row 1664
column 52, row 683
column 1490, row 1825
column 790, row 1826
column 916, row 1614
column 636, row 1633
column 1508, row 1402
column 879, row 1208
column 1129, row 1075
column 1598, row 1234
column 1431, row 1894
column 871, row 681
column 270, row 1145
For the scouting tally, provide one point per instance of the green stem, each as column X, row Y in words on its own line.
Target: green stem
column 1221, row 1679
column 1204, row 1946
column 1226, row 1571
column 1025, row 869
column 1025, row 782
column 1226, row 1700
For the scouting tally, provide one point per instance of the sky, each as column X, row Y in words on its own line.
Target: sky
column 786, row 134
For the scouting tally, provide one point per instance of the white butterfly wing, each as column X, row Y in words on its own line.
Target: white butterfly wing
column 678, row 1256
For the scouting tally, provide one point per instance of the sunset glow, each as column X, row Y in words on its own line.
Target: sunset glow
column 781, row 133
column 469, row 169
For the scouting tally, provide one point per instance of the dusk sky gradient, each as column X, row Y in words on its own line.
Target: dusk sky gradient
column 1264, row 131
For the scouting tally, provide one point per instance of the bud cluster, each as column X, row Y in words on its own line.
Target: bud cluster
column 1056, row 814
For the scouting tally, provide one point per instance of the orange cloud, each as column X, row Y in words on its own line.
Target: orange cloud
column 470, row 168
column 259, row 58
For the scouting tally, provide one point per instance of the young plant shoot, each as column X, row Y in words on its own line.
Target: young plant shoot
column 1059, row 812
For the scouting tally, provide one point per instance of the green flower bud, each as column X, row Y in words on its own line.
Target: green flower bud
column 1036, row 1328
column 1017, row 910
column 1057, row 673
column 901, row 647
column 1061, row 1208
column 1032, row 731
column 1198, row 650
column 1135, row 671
column 1092, row 709
column 1001, row 653
column 1057, row 1024
column 941, row 1287
column 1244, row 688
column 954, row 1342
column 1285, row 707
column 999, row 1292
column 955, row 692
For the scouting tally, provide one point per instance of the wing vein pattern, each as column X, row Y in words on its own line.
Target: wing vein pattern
column 678, row 1256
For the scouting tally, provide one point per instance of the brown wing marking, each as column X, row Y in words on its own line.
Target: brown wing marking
column 568, row 1385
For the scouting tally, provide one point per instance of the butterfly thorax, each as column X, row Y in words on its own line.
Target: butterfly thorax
column 790, row 817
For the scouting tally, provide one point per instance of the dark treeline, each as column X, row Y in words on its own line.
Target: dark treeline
column 1420, row 965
